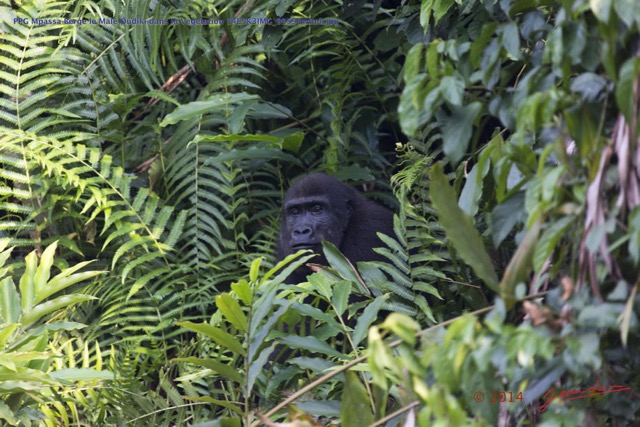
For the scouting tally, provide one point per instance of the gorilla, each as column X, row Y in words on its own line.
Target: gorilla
column 319, row 207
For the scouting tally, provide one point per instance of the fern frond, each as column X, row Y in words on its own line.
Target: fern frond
column 32, row 70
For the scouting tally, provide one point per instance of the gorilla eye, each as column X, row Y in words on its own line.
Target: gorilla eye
column 316, row 208
column 295, row 211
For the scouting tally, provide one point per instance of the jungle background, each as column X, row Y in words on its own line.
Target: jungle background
column 142, row 167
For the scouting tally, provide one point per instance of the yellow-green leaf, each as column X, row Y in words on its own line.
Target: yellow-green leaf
column 217, row 335
column 460, row 230
column 520, row 264
column 356, row 410
column 232, row 311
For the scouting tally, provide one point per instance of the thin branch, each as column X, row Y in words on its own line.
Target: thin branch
column 394, row 414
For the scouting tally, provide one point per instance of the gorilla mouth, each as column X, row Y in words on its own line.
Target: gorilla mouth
column 301, row 246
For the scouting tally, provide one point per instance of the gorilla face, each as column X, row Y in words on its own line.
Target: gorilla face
column 319, row 207
column 310, row 220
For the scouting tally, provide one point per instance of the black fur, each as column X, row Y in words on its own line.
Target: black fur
column 319, row 207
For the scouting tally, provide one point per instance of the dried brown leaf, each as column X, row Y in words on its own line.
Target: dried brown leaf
column 568, row 286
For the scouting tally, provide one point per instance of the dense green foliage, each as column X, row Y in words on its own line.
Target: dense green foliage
column 503, row 133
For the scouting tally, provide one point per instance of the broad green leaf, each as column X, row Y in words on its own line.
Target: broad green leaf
column 312, row 344
column 215, row 103
column 410, row 109
column 260, row 332
column 433, row 60
column 257, row 366
column 544, row 381
column 413, row 63
column 283, row 6
column 589, row 350
column 549, row 240
column 354, row 173
column 292, row 262
column 505, row 216
column 425, row 13
column 628, row 11
column 510, row 38
column 431, row 101
column 229, row 372
column 314, row 364
column 36, row 313
column 268, row 110
column 452, row 89
column 322, row 284
column 221, row 337
column 60, row 326
column 243, row 290
column 459, row 228
column 4, row 256
column 589, row 85
column 6, row 331
column 343, row 266
column 9, row 301
column 379, row 357
column 387, row 39
column 43, row 271
column 495, row 319
column 457, row 130
column 472, row 190
column 529, row 113
column 440, row 8
column 601, row 9
column 238, row 116
column 575, row 40
column 403, row 326
column 479, row 45
column 232, row 311
column 59, row 283
column 27, row 287
column 325, row 317
column 7, row 414
column 82, row 374
column 14, row 358
column 356, row 410
column 29, row 384
column 340, row 296
column 601, row 316
column 254, row 270
column 520, row 265
column 624, row 87
column 68, row 272
column 462, row 329
column 490, row 63
column 255, row 153
column 318, row 408
column 293, row 142
column 368, row 316
column 583, row 124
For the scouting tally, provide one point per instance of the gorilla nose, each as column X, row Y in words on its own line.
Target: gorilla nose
column 302, row 232
column 302, row 238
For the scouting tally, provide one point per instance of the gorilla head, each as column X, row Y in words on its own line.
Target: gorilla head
column 319, row 207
